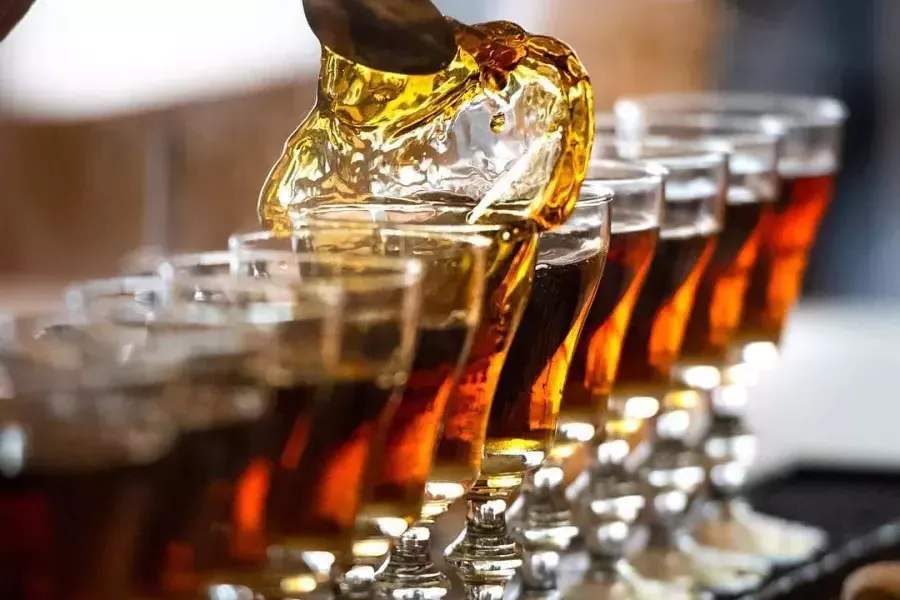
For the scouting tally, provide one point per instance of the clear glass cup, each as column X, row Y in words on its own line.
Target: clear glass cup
column 635, row 212
column 405, row 484
column 571, row 260
column 523, row 415
column 348, row 397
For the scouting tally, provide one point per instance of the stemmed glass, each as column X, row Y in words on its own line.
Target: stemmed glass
column 637, row 200
column 571, row 260
column 403, row 475
column 287, row 508
column 718, row 300
column 672, row 473
column 458, row 456
column 528, row 392
column 811, row 129
column 356, row 408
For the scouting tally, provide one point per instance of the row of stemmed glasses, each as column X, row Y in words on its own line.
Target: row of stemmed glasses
column 809, row 131
column 202, row 432
column 747, row 178
column 353, row 405
column 367, row 402
column 499, row 419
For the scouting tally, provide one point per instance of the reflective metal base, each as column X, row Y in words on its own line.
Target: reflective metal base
column 735, row 527
column 410, row 574
column 484, row 555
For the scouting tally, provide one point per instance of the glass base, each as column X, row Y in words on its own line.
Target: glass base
column 414, row 583
column 735, row 527
column 488, row 560
column 484, row 555
column 409, row 573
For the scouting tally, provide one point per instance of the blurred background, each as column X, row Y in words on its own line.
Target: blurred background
column 154, row 122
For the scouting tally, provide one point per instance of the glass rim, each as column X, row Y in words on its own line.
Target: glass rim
column 21, row 331
column 240, row 241
column 402, row 272
column 793, row 111
column 675, row 155
column 521, row 223
column 735, row 132
column 642, row 172
column 597, row 195
column 108, row 286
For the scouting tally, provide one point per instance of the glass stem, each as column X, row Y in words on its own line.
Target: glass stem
column 673, row 470
column 728, row 444
column 484, row 555
column 545, row 527
column 609, row 496
column 409, row 572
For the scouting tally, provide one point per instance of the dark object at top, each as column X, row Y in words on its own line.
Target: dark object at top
column 11, row 12
column 400, row 36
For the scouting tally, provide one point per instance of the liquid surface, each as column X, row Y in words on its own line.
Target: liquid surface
column 788, row 234
column 511, row 118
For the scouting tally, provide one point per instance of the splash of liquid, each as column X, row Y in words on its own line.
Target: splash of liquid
column 509, row 122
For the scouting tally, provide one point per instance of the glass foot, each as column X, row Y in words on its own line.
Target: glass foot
column 484, row 555
column 481, row 558
column 410, row 574
column 725, row 572
column 735, row 527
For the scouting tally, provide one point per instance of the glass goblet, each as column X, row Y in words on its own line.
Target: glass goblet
column 453, row 294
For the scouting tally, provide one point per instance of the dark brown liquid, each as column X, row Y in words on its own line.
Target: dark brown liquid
column 321, row 443
column 720, row 294
column 152, row 531
column 654, row 336
column 788, row 234
column 401, row 473
column 507, row 289
column 524, row 412
column 593, row 369
column 71, row 534
column 202, row 514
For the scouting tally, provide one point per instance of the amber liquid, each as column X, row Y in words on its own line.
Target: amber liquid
column 321, row 440
column 596, row 360
column 524, row 413
column 653, row 340
column 719, row 298
column 399, row 479
column 111, row 531
column 458, row 459
column 203, row 514
column 787, row 236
